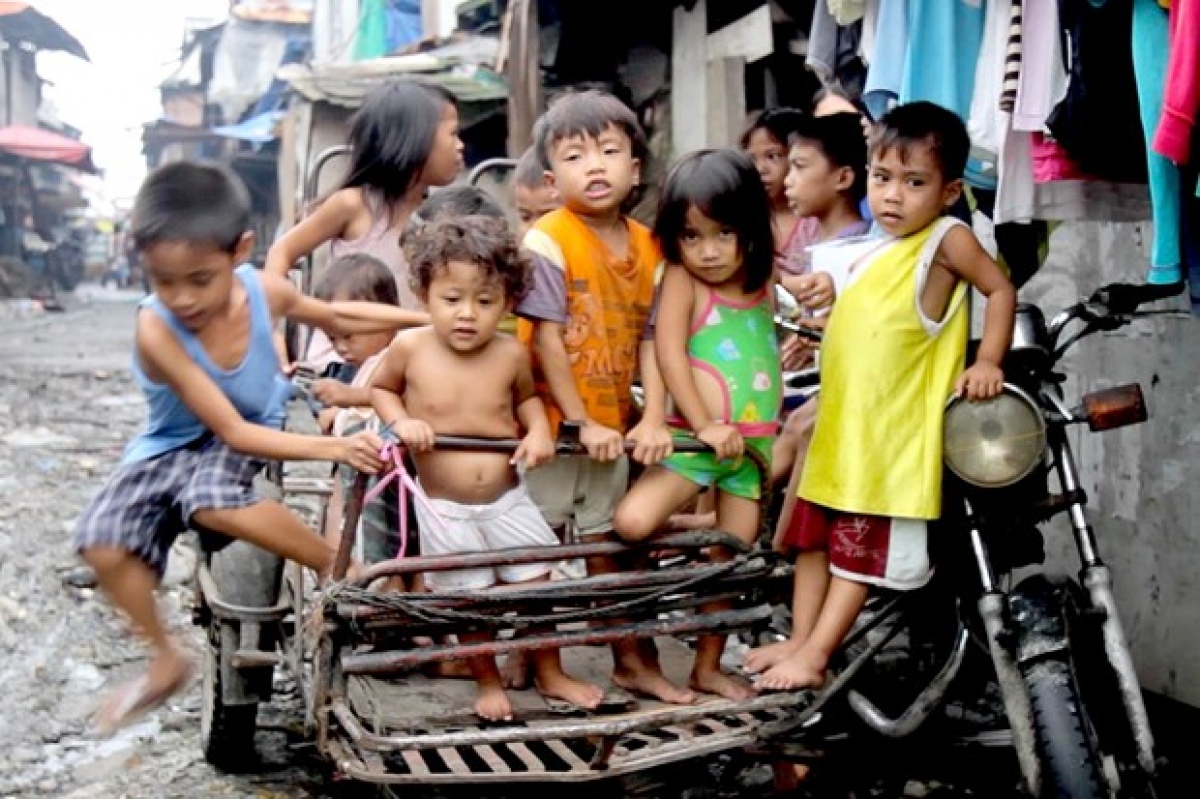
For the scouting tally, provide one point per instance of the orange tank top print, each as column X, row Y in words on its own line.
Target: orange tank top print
column 608, row 304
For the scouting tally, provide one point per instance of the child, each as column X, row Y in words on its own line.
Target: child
column 403, row 140
column 766, row 142
column 358, row 277
column 459, row 377
column 826, row 180
column 353, row 278
column 453, row 202
column 826, row 184
column 892, row 355
column 594, row 276
column 715, row 340
column 533, row 196
column 205, row 360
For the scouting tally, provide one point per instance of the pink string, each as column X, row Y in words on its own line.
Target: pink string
column 394, row 454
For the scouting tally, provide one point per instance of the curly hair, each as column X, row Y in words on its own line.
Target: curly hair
column 479, row 240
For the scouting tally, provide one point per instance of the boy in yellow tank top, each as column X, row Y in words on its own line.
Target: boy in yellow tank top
column 893, row 355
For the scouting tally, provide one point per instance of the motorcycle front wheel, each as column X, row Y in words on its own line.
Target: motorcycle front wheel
column 1066, row 738
column 1083, row 733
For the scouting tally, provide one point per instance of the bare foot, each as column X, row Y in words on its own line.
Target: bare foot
column 648, row 682
column 517, row 671
column 167, row 674
column 451, row 670
column 803, row 669
column 492, row 703
column 761, row 658
column 722, row 684
column 559, row 685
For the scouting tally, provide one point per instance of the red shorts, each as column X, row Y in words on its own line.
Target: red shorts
column 893, row 553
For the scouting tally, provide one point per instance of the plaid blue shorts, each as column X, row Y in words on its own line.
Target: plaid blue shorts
column 146, row 504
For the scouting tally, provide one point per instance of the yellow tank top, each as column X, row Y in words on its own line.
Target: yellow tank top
column 886, row 374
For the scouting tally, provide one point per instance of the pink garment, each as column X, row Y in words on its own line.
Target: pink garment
column 796, row 257
column 1181, row 95
column 382, row 241
column 1051, row 162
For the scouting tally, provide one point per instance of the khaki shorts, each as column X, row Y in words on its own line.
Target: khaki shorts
column 578, row 489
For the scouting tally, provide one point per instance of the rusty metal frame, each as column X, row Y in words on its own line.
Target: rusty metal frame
column 756, row 573
column 341, row 736
column 589, row 727
column 389, row 662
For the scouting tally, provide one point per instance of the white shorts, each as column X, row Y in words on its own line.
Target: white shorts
column 579, row 489
column 511, row 521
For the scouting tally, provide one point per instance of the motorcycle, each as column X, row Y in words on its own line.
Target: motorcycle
column 1050, row 649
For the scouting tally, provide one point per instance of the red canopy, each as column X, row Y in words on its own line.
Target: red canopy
column 46, row 145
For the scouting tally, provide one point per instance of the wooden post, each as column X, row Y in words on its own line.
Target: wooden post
column 726, row 100
column 708, row 92
column 524, row 74
column 689, row 98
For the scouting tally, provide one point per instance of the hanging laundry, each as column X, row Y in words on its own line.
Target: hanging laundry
column 1012, row 58
column 870, row 27
column 1181, row 96
column 886, row 75
column 1102, row 94
column 943, row 49
column 1150, row 38
column 371, row 41
column 846, row 12
column 984, row 123
column 1042, row 83
column 833, row 51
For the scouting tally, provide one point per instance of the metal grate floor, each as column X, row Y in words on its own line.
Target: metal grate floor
column 550, row 746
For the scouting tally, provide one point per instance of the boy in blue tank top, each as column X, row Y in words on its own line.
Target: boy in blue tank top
column 205, row 360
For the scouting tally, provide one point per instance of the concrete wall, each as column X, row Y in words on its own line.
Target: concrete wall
column 1144, row 481
column 20, row 87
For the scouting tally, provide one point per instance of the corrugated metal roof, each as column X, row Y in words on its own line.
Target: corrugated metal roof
column 21, row 23
column 348, row 84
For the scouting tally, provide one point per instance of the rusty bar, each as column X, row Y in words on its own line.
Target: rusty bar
column 387, row 662
column 587, row 727
column 516, row 556
column 572, row 590
column 407, row 625
column 567, row 444
column 385, row 632
column 354, row 506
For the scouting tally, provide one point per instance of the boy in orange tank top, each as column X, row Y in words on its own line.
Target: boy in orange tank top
column 594, row 276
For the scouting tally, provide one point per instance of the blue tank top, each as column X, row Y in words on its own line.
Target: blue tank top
column 256, row 386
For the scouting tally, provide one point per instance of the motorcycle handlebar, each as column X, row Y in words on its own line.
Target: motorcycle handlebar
column 799, row 329
column 1125, row 298
column 1108, row 308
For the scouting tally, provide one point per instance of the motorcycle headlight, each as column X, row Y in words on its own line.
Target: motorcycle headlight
column 994, row 443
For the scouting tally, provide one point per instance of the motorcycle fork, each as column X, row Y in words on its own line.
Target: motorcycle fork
column 993, row 610
column 1097, row 581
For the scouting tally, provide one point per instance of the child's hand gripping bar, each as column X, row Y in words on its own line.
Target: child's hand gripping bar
column 567, row 443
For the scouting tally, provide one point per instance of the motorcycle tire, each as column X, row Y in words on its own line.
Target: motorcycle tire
column 226, row 731
column 1070, row 763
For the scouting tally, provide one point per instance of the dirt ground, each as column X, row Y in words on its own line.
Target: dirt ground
column 68, row 404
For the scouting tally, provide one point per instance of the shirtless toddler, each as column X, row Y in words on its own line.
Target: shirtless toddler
column 460, row 377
